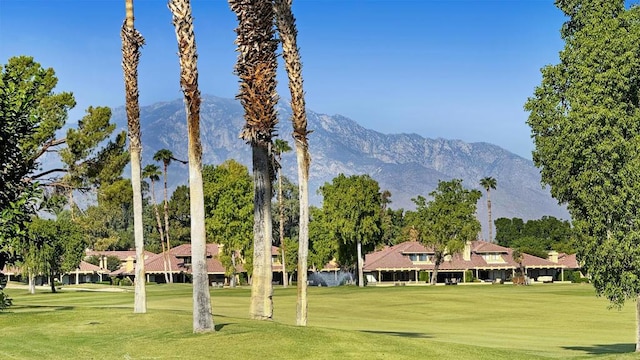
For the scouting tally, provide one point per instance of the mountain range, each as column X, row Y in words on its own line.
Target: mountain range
column 405, row 164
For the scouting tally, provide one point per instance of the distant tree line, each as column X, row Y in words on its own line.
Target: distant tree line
column 536, row 237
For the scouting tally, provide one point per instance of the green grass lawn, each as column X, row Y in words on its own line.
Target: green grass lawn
column 444, row 322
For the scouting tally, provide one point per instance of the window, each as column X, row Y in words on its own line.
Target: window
column 493, row 258
column 419, row 257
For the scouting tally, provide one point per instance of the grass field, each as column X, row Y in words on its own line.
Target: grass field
column 445, row 322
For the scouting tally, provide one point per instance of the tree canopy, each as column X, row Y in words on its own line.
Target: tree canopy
column 32, row 116
column 585, row 122
column 351, row 209
column 447, row 222
column 536, row 237
column 228, row 198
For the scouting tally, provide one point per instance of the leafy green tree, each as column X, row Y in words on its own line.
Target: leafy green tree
column 55, row 247
column 85, row 163
column 32, row 115
column 508, row 230
column 179, row 215
column 108, row 224
column 228, row 198
column 489, row 183
column 351, row 207
column 447, row 222
column 536, row 237
column 323, row 247
column 585, row 122
column 23, row 86
column 391, row 221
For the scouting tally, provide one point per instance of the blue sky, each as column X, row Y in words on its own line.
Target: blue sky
column 458, row 69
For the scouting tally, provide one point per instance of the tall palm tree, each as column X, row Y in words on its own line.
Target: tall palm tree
column 132, row 41
column 256, row 68
column 281, row 146
column 286, row 25
column 183, row 22
column 489, row 183
column 166, row 157
column 152, row 172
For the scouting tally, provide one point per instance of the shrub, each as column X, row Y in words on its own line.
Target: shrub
column 468, row 275
column 126, row 282
column 423, row 276
column 575, row 277
column 115, row 281
column 5, row 301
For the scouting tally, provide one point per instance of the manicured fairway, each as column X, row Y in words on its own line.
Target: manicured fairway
column 444, row 322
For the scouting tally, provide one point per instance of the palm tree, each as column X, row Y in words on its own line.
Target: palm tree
column 132, row 41
column 183, row 22
column 281, row 146
column 286, row 25
column 256, row 68
column 489, row 183
column 152, row 172
column 166, row 157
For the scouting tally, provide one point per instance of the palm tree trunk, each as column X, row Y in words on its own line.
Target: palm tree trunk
column 489, row 213
column 132, row 40
column 281, row 210
column 256, row 67
column 183, row 22
column 360, row 265
column 285, row 22
column 166, row 221
column 302, row 155
column 262, row 287
column 160, row 231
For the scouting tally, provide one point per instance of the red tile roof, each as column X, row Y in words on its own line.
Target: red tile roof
column 395, row 257
column 570, row 261
column 86, row 267
column 120, row 254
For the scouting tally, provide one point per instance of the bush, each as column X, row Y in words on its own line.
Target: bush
column 115, row 281
column 5, row 301
column 423, row 276
column 468, row 275
column 126, row 282
column 575, row 277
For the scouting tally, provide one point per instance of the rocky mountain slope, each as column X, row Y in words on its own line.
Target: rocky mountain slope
column 406, row 164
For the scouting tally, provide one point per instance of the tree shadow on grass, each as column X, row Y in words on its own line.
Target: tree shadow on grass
column 604, row 348
column 219, row 327
column 44, row 307
column 414, row 335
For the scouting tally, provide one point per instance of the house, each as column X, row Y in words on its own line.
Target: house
column 127, row 257
column 484, row 260
column 179, row 266
column 85, row 273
